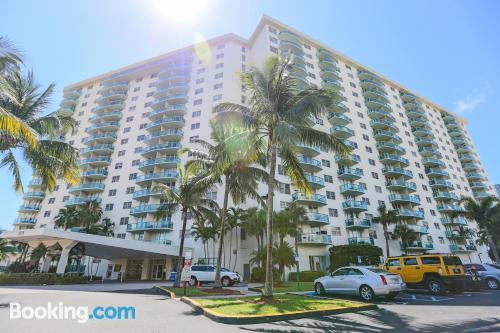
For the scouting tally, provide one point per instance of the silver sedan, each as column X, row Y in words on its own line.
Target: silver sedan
column 488, row 272
column 367, row 282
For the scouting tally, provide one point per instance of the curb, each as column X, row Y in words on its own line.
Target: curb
column 239, row 320
column 163, row 291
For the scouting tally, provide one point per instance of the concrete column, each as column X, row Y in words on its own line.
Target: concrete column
column 145, row 268
column 66, row 246
column 45, row 264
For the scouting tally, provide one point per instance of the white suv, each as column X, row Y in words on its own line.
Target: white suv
column 206, row 273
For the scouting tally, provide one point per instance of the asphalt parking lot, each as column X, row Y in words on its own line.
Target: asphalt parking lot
column 412, row 312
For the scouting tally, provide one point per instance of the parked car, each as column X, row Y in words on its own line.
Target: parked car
column 436, row 272
column 367, row 282
column 206, row 273
column 490, row 273
column 473, row 281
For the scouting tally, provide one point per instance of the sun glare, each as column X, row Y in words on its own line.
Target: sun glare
column 181, row 11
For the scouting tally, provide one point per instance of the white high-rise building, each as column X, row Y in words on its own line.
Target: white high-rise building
column 408, row 153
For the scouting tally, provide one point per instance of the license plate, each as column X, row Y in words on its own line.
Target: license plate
column 395, row 280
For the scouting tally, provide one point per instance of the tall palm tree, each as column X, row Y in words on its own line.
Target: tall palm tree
column 38, row 253
column 485, row 212
column 253, row 222
column 234, row 216
column 5, row 247
column 283, row 116
column 229, row 160
column 67, row 218
column 202, row 229
column 42, row 148
column 386, row 217
column 90, row 213
column 406, row 234
column 189, row 197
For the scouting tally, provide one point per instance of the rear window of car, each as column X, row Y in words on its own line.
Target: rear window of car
column 393, row 262
column 452, row 260
column 430, row 260
column 377, row 270
column 196, row 268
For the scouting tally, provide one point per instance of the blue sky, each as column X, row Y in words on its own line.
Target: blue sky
column 448, row 51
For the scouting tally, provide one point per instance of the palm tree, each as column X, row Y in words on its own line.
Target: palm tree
column 189, row 197
column 201, row 229
column 5, row 247
column 234, row 216
column 107, row 227
column 485, row 212
column 90, row 213
column 36, row 138
column 38, row 253
column 283, row 117
column 253, row 222
column 67, row 218
column 77, row 252
column 229, row 160
column 406, row 234
column 386, row 217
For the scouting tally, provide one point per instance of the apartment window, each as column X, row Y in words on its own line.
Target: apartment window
column 368, row 149
column 129, row 119
column 355, row 94
column 219, row 65
column 127, row 204
column 328, row 178
column 218, row 86
column 136, row 162
column 118, row 166
column 112, row 193
column 126, row 130
column 80, row 113
column 200, row 70
column 135, row 98
column 218, row 76
column 284, row 188
column 273, row 49
column 84, row 104
column 46, row 213
column 336, row 231
column 145, row 115
column 108, row 207
column 52, row 200
column 366, row 137
column 198, row 91
column 56, row 188
column 281, row 170
column 124, row 220
column 366, row 200
column 330, row 195
column 372, row 162
column 193, row 138
column 130, row 190
column 363, row 126
column 200, row 80
column 357, row 104
column 124, row 141
column 137, row 150
column 333, row 212
column 424, row 187
column 197, row 101
column 149, row 94
column 196, row 114
column 219, row 56
column 141, row 137
column 325, row 163
column 121, row 153
column 217, row 98
column 433, row 212
column 132, row 176
column 374, row 175
column 195, row 126
column 143, row 126
column 437, row 226
column 428, row 199
column 378, row 189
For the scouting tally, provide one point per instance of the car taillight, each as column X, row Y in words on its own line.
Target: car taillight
column 384, row 280
column 440, row 271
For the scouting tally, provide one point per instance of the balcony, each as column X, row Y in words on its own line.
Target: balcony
column 171, row 89
column 440, row 183
column 170, row 78
column 332, row 84
column 463, row 149
column 29, row 208
column 364, row 74
column 398, row 185
column 367, row 83
column 107, row 116
column 420, row 229
column 393, row 159
column 455, row 133
column 347, row 159
column 95, row 173
column 409, row 213
column 315, row 219
column 35, row 183
column 452, row 124
column 468, row 167
column 480, row 195
column 339, row 107
column 396, row 172
column 31, row 221
column 419, row 122
column 445, row 196
column 315, row 181
column 158, row 241
column 310, row 164
column 69, row 102
column 429, row 152
column 168, row 148
column 416, row 113
column 355, row 224
column 420, row 131
column 75, row 93
column 146, row 193
column 345, row 173
column 328, row 63
column 383, row 124
column 444, row 208
column 112, row 95
column 81, row 200
column 462, row 248
column 373, row 103
column 104, row 126
column 288, row 48
column 314, row 239
column 35, row 195
column 162, row 162
column 375, row 93
column 351, row 189
column 170, row 99
column 404, row 199
column 385, row 147
column 314, row 199
column 466, row 158
column 115, row 85
column 98, row 161
column 456, row 234
column 478, row 186
column 329, row 73
column 167, row 122
column 417, row 246
column 308, row 150
column 431, row 172
column 354, row 206
column 113, row 105
column 350, row 144
column 144, row 209
column 425, row 142
column 360, row 241
column 381, row 114
column 104, row 148
column 381, row 135
column 324, row 54
column 142, row 226
column 160, row 177
column 172, row 134
column 459, row 220
column 87, row 187
column 430, row 162
column 101, row 137
column 459, row 141
column 341, row 132
column 336, row 118
column 474, row 176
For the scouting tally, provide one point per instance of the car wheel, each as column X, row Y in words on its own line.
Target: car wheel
column 193, row 281
column 366, row 293
column 435, row 286
column 492, row 283
column 320, row 290
column 226, row 282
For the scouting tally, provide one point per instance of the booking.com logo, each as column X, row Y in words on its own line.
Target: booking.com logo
column 81, row 314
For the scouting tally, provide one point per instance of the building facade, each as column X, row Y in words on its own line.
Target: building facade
column 408, row 153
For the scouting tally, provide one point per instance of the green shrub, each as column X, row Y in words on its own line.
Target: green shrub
column 41, row 278
column 345, row 255
column 306, row 276
column 259, row 275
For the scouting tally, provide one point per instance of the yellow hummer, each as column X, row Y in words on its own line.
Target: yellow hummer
column 436, row 272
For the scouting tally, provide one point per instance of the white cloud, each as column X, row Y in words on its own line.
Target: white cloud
column 473, row 100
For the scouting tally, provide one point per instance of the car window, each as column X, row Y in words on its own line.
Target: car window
column 354, row 271
column 195, row 268
column 378, row 270
column 410, row 261
column 430, row 260
column 452, row 260
column 494, row 266
column 209, row 268
column 340, row 272
column 393, row 263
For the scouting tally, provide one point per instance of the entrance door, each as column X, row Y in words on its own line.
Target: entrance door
column 157, row 272
column 246, row 272
column 109, row 271
column 134, row 269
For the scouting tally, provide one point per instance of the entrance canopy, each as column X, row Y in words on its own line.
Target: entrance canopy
column 96, row 246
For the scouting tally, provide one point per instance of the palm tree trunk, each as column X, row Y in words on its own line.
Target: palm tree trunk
column 230, row 247
column 180, row 257
column 493, row 248
column 386, row 235
column 267, row 293
column 218, row 282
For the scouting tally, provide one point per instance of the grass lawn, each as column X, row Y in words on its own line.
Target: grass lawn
column 290, row 286
column 287, row 304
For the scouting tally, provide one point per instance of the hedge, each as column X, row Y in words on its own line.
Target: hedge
column 41, row 278
column 259, row 275
column 345, row 255
column 306, row 276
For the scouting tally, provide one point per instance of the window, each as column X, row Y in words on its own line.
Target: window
column 217, row 98
column 200, row 80
column 121, row 153
column 393, row 263
column 328, row 178
column 56, row 188
column 127, row 204
column 108, row 207
column 218, row 76
column 197, row 101
column 372, row 162
column 284, row 188
column 141, row 137
column 132, row 176
column 336, row 231
column 217, row 86
column 366, row 137
column 410, row 261
column 430, row 260
column 46, row 213
column 219, row 56
column 219, row 65
column 115, row 179
column 130, row 190
column 378, row 189
column 129, row 119
column 198, row 91
column 124, row 141
column 65, row 198
column 118, row 166
column 193, row 138
column 325, row 163
column 333, row 212
column 124, row 221
column 374, row 175
column 368, row 149
column 52, row 200
column 195, row 126
column 330, row 195
column 112, row 193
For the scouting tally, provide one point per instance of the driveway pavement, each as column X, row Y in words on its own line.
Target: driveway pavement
column 479, row 312
column 89, row 287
